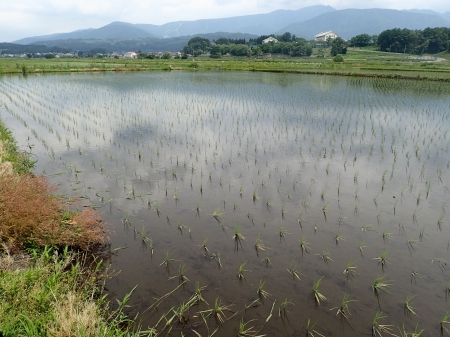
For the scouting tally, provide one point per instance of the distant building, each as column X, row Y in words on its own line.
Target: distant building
column 323, row 36
column 269, row 39
column 130, row 55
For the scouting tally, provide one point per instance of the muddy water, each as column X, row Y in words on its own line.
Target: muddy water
column 358, row 166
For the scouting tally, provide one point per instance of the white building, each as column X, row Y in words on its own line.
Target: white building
column 130, row 55
column 323, row 36
column 269, row 39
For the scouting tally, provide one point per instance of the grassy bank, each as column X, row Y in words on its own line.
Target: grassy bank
column 357, row 63
column 48, row 287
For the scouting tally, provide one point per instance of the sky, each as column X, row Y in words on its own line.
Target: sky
column 25, row 18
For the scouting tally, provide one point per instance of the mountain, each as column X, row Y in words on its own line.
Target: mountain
column 445, row 16
column 257, row 24
column 422, row 11
column 114, row 30
column 75, row 34
column 350, row 22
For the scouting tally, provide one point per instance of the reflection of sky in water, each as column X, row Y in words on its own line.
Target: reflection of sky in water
column 131, row 142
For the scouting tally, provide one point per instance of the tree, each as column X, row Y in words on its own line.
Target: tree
column 361, row 40
column 286, row 37
column 239, row 50
column 215, row 52
column 223, row 40
column 338, row 46
column 166, row 55
column 197, row 45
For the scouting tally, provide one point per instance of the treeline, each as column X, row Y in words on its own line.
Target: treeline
column 12, row 48
column 429, row 40
column 289, row 45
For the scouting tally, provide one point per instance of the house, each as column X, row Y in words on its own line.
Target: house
column 323, row 36
column 269, row 39
column 130, row 55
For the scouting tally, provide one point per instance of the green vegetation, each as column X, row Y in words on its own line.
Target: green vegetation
column 50, row 295
column 429, row 40
column 11, row 159
column 358, row 62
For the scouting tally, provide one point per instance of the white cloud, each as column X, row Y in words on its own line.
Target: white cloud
column 24, row 18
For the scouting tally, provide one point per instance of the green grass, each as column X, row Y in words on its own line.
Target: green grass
column 9, row 152
column 51, row 295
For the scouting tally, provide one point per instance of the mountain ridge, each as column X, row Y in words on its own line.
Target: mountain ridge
column 368, row 21
column 257, row 24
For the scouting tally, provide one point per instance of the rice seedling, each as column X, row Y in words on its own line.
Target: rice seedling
column 197, row 208
column 255, row 196
column 377, row 328
column 325, row 210
column 325, row 256
column 416, row 333
column 447, row 290
column 262, row 294
column 144, row 237
column 349, row 270
column 380, row 284
column 386, row 236
column 218, row 312
column 299, row 219
column 382, row 259
column 217, row 214
column 441, row 221
column 343, row 310
column 416, row 211
column 167, row 260
column 411, row 243
column 316, row 294
column 282, row 311
column 197, row 297
column 292, row 270
column 422, row 234
column 338, row 237
column 445, row 320
column 282, row 232
column 304, row 245
column 361, row 247
column 238, row 237
column 151, row 247
column 241, row 271
column 244, row 331
column 407, row 307
column 259, row 244
column 415, row 274
column 266, row 260
column 283, row 210
column 203, row 246
column 310, row 331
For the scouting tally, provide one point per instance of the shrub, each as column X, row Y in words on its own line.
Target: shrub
column 31, row 214
column 338, row 58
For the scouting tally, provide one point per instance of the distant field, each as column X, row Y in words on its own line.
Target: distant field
column 357, row 63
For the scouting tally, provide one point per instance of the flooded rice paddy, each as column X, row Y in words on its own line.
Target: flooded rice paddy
column 286, row 197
